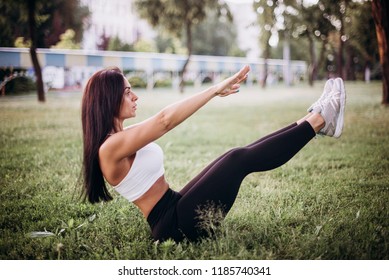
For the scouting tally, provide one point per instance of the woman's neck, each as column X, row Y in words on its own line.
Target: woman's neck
column 118, row 126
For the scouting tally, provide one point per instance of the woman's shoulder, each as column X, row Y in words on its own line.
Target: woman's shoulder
column 131, row 139
column 111, row 143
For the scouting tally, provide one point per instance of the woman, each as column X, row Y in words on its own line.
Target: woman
column 129, row 160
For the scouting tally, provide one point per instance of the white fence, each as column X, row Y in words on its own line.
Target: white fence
column 74, row 67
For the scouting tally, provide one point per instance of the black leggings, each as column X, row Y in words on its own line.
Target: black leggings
column 179, row 214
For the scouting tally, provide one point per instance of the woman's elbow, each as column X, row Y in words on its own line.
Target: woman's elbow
column 165, row 121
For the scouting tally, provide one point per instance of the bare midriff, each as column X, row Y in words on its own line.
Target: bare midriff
column 150, row 198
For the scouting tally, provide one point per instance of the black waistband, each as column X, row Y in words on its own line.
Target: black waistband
column 168, row 200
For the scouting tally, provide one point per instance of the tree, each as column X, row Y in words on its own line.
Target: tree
column 267, row 20
column 345, row 31
column 43, row 22
column 166, row 43
column 31, row 7
column 214, row 36
column 9, row 15
column 311, row 22
column 380, row 14
column 52, row 19
column 177, row 17
column 339, row 16
column 363, row 48
column 338, row 31
column 275, row 17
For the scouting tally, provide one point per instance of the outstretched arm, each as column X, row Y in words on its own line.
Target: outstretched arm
column 129, row 141
column 178, row 112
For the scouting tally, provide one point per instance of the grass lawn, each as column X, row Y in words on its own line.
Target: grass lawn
column 331, row 201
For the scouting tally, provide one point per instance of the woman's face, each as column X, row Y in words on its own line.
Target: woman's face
column 128, row 106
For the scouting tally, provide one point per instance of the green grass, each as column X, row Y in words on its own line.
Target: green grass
column 329, row 202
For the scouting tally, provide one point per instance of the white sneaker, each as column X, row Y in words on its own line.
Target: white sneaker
column 327, row 89
column 332, row 110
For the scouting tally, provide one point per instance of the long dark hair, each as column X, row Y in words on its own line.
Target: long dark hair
column 100, row 104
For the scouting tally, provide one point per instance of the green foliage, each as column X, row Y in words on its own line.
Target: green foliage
column 137, row 82
column 163, row 83
column 362, row 36
column 172, row 15
column 115, row 44
column 53, row 19
column 166, row 43
column 67, row 41
column 145, row 46
column 328, row 202
column 178, row 18
column 236, row 51
column 215, row 36
column 319, row 29
column 20, row 42
column 20, row 85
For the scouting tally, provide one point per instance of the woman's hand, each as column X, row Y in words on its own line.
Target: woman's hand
column 231, row 85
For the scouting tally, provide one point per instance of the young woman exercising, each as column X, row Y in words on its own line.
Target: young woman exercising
column 130, row 161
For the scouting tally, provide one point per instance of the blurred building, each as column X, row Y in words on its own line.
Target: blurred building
column 111, row 18
column 119, row 18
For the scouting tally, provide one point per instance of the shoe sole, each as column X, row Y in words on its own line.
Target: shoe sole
column 340, row 120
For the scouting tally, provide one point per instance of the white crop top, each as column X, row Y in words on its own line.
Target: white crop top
column 146, row 169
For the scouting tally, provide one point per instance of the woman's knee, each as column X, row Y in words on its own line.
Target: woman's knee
column 237, row 155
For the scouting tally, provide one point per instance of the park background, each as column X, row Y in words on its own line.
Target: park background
column 329, row 202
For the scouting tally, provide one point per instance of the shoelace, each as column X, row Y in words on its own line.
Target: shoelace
column 322, row 102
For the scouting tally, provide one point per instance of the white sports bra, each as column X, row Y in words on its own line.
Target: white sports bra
column 146, row 169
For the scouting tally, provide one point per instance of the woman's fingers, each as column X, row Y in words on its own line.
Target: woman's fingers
column 243, row 79
column 230, row 90
column 232, row 84
column 244, row 71
column 242, row 74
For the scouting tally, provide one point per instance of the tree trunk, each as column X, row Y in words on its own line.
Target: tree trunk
column 286, row 58
column 350, row 64
column 34, row 57
column 266, row 66
column 340, row 50
column 312, row 67
column 380, row 15
column 322, row 56
column 189, row 47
